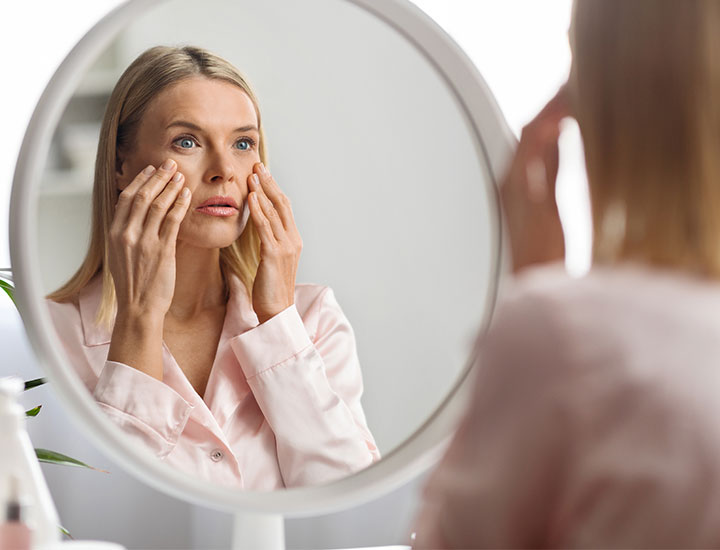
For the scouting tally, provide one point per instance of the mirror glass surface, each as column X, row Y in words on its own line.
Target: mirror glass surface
column 389, row 186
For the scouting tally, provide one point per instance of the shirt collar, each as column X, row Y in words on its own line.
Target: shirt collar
column 89, row 300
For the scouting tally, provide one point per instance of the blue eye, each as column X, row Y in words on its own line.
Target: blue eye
column 185, row 143
column 244, row 144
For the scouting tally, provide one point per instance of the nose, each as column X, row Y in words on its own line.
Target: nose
column 220, row 168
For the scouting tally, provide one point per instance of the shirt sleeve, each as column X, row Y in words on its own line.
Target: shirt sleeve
column 145, row 408
column 309, row 392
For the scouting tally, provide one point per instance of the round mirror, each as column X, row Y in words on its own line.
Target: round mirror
column 387, row 142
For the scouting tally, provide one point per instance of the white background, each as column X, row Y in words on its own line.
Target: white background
column 521, row 49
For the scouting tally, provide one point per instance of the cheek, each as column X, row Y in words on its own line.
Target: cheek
column 135, row 164
column 188, row 169
column 244, row 170
column 145, row 155
column 140, row 162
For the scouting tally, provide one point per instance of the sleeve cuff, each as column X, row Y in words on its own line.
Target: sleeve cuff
column 148, row 400
column 275, row 341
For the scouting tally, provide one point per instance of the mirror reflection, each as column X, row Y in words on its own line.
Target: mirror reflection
column 193, row 190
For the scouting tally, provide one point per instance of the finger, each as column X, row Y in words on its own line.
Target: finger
column 536, row 180
column 262, row 224
column 268, row 208
column 552, row 162
column 125, row 198
column 163, row 202
column 274, row 193
column 558, row 107
column 147, row 193
column 548, row 120
column 537, row 137
column 171, row 222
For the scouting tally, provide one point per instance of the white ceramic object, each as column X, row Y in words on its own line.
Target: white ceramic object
column 421, row 449
column 18, row 460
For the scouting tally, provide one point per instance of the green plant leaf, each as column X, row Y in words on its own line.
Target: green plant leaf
column 30, row 384
column 9, row 289
column 34, row 411
column 65, row 532
column 51, row 457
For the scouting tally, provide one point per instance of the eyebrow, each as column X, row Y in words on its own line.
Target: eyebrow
column 186, row 124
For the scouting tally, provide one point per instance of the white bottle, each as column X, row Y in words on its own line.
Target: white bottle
column 14, row 532
column 17, row 458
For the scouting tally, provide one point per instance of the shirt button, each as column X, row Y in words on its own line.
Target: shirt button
column 216, row 455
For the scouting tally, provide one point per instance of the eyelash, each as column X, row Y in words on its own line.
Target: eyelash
column 248, row 140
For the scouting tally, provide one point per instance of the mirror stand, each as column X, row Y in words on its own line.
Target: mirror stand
column 258, row 532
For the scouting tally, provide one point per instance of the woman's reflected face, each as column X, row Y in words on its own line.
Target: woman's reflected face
column 210, row 128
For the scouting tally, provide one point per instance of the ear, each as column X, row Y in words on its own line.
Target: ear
column 122, row 179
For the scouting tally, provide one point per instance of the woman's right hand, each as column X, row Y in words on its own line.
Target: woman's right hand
column 528, row 190
column 143, row 236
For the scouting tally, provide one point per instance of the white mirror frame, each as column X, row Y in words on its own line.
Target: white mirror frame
column 420, row 451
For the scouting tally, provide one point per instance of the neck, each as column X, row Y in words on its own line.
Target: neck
column 198, row 281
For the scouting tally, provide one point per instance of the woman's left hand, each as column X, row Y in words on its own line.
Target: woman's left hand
column 280, row 245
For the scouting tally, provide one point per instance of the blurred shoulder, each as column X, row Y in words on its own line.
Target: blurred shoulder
column 625, row 320
column 548, row 322
column 534, row 301
column 550, row 286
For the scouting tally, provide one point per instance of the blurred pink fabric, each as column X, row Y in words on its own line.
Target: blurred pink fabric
column 595, row 419
column 282, row 404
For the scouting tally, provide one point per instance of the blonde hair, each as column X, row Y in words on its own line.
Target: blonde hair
column 152, row 71
column 645, row 89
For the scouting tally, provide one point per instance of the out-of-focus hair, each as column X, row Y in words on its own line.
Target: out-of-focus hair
column 645, row 89
column 152, row 72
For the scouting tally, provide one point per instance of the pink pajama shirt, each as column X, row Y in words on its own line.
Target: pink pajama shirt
column 595, row 418
column 282, row 403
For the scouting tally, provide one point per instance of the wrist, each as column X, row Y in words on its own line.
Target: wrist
column 267, row 314
column 139, row 320
column 263, row 317
column 144, row 330
column 137, row 342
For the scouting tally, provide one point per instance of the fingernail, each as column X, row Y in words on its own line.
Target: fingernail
column 169, row 164
column 149, row 170
column 185, row 193
column 254, row 180
column 263, row 170
column 177, row 177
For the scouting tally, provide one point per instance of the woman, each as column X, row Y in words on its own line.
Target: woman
column 185, row 320
column 595, row 418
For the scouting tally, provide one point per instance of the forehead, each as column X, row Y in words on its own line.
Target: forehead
column 204, row 101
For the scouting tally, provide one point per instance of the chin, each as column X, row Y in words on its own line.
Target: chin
column 207, row 239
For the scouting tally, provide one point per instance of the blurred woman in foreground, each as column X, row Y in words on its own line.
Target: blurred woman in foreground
column 596, row 415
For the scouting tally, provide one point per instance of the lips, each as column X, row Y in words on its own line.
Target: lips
column 218, row 206
column 219, row 201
